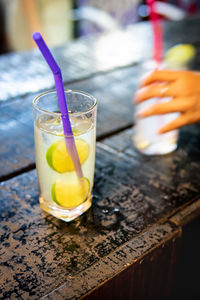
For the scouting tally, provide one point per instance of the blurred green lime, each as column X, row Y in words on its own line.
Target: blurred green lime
column 180, row 55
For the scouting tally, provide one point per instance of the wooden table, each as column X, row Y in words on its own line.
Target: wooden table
column 145, row 209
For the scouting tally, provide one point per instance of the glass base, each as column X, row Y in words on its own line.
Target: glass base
column 150, row 143
column 66, row 215
column 158, row 148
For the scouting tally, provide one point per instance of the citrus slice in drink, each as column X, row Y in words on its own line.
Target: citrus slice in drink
column 71, row 193
column 180, row 55
column 59, row 159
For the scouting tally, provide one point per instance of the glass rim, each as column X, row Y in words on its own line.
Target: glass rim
column 36, row 107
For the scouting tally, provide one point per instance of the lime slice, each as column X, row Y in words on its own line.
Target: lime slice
column 70, row 194
column 59, row 159
column 180, row 55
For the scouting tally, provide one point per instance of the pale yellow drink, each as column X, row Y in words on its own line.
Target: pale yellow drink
column 61, row 192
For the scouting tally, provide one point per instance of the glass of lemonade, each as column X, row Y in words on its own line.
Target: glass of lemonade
column 61, row 192
column 145, row 137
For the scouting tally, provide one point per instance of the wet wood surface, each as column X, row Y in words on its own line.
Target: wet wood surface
column 140, row 204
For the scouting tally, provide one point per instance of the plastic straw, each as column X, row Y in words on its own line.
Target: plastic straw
column 69, row 138
column 157, row 32
column 157, row 42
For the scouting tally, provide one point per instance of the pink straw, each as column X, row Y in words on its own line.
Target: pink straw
column 157, row 40
column 157, row 32
column 69, row 138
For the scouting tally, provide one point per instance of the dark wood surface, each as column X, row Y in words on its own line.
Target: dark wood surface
column 113, row 90
column 128, row 244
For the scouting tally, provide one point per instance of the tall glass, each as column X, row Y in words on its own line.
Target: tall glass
column 145, row 137
column 61, row 192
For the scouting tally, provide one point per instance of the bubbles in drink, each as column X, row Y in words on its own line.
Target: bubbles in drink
column 53, row 165
column 54, row 125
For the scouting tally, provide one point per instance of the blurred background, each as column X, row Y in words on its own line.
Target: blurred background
column 61, row 21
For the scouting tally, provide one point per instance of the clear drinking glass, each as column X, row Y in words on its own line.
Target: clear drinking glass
column 145, row 136
column 61, row 192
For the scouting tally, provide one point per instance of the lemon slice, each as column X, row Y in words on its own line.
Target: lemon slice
column 70, row 194
column 180, row 55
column 59, row 159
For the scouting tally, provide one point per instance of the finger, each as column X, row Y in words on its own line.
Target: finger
column 180, row 121
column 151, row 91
column 160, row 75
column 175, row 105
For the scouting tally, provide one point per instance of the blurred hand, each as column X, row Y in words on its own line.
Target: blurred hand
column 184, row 89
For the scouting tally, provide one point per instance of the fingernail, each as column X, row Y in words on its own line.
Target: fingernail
column 135, row 96
column 140, row 114
column 136, row 101
column 160, row 131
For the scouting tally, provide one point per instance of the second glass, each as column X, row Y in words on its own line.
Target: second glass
column 61, row 192
column 146, row 138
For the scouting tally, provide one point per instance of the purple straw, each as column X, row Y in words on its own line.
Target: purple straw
column 69, row 138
